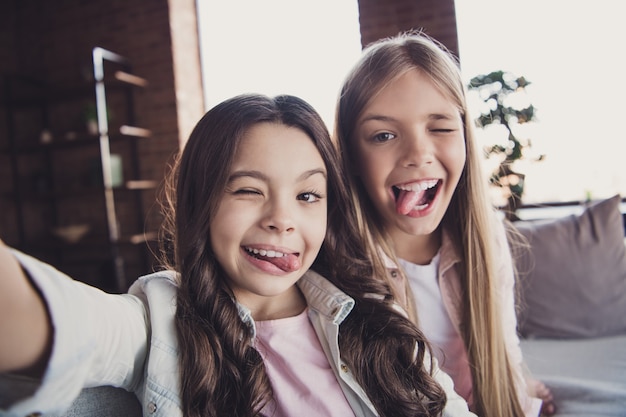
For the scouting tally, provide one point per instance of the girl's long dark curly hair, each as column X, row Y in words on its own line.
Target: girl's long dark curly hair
column 221, row 372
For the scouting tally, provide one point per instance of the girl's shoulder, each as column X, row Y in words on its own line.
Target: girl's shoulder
column 165, row 280
column 157, row 291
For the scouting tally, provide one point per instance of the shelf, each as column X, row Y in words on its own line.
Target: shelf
column 135, row 131
column 141, row 184
column 129, row 78
column 140, row 238
column 89, row 242
column 60, row 178
column 52, row 95
column 77, row 140
column 52, row 243
column 28, row 92
column 84, row 191
column 81, row 140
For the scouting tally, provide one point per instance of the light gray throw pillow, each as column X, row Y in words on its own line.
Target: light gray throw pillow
column 572, row 281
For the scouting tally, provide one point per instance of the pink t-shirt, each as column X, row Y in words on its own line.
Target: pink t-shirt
column 304, row 384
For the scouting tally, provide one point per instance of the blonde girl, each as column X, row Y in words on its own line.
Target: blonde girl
column 405, row 135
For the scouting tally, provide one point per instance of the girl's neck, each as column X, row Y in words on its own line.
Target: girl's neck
column 288, row 304
column 420, row 249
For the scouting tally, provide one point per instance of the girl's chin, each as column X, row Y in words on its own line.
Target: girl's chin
column 418, row 225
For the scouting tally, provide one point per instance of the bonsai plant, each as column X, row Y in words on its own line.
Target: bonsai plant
column 495, row 89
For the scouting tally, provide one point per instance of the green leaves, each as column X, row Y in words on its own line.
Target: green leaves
column 497, row 89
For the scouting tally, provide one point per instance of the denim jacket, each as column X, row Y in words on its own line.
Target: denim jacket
column 130, row 341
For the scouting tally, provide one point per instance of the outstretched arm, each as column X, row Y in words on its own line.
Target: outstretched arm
column 67, row 334
column 25, row 329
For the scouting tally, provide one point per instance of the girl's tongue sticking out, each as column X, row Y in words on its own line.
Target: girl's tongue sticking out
column 287, row 262
column 415, row 196
column 407, row 201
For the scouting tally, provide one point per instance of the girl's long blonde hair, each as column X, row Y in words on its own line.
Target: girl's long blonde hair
column 468, row 218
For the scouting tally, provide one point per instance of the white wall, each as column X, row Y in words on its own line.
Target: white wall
column 573, row 53
column 297, row 47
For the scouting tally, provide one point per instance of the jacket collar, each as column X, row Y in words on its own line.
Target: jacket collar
column 320, row 294
column 449, row 252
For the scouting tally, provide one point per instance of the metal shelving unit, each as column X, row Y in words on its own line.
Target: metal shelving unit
column 37, row 211
column 123, row 75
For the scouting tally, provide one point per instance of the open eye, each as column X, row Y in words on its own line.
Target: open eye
column 383, row 137
column 309, row 197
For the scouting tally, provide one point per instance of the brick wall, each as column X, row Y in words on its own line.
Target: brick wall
column 52, row 42
column 383, row 18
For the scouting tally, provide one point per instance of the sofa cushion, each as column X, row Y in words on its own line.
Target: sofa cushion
column 103, row 401
column 572, row 278
column 586, row 376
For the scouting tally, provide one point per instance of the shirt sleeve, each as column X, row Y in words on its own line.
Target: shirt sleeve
column 456, row 406
column 98, row 339
column 506, row 293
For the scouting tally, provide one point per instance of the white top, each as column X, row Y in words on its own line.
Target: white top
column 434, row 321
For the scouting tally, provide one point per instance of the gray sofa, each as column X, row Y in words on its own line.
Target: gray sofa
column 572, row 318
column 587, row 376
column 572, row 308
column 92, row 402
column 105, row 402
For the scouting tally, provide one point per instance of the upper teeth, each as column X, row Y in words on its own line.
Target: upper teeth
column 268, row 253
column 418, row 186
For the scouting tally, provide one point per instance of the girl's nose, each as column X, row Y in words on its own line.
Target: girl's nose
column 418, row 150
column 279, row 217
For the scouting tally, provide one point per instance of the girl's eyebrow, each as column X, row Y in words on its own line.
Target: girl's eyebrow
column 312, row 172
column 254, row 174
column 384, row 118
column 377, row 117
column 441, row 116
column 261, row 176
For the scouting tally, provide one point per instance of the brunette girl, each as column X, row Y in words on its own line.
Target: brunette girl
column 269, row 307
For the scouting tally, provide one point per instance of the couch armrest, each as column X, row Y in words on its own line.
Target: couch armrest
column 102, row 401
column 105, row 402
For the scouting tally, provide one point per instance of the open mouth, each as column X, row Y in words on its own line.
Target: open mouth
column 287, row 262
column 415, row 196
